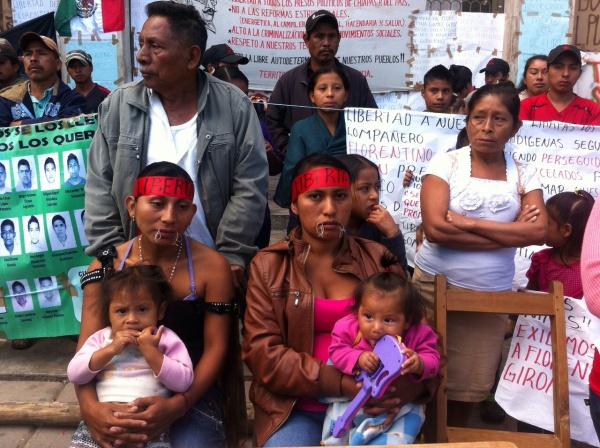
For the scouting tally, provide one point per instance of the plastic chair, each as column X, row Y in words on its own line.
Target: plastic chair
column 548, row 304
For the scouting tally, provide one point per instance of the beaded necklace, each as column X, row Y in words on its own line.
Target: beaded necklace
column 180, row 244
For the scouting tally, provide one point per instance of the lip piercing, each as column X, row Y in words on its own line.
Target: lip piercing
column 178, row 239
column 320, row 229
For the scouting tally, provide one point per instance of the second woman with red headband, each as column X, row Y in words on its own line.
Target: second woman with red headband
column 298, row 288
column 162, row 208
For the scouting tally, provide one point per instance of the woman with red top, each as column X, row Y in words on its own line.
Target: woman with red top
column 590, row 275
column 298, row 288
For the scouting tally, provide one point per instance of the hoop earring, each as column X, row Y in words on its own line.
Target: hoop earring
column 342, row 230
column 157, row 235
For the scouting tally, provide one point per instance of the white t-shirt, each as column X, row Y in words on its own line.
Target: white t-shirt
column 178, row 144
column 16, row 248
column 486, row 270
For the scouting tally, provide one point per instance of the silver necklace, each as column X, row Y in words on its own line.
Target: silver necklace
column 180, row 244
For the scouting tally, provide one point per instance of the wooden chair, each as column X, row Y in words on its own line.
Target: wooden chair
column 550, row 304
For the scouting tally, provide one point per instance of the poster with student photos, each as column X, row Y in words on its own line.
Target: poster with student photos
column 42, row 248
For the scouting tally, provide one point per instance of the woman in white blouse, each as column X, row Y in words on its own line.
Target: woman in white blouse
column 478, row 204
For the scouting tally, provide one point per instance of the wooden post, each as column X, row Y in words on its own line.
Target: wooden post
column 6, row 21
column 510, row 48
column 48, row 414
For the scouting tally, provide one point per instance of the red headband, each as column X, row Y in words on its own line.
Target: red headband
column 163, row 186
column 319, row 178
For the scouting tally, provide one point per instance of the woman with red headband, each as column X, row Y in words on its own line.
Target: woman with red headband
column 162, row 208
column 298, row 288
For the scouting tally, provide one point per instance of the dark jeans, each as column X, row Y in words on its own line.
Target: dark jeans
column 264, row 236
column 302, row 428
column 595, row 411
column 204, row 424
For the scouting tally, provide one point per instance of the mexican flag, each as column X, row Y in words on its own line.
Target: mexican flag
column 89, row 16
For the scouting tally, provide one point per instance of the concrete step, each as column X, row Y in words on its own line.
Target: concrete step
column 279, row 216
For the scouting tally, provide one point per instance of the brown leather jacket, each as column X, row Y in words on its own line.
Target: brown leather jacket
column 279, row 331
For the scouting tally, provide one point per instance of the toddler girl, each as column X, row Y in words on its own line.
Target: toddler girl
column 384, row 304
column 568, row 214
column 369, row 219
column 131, row 358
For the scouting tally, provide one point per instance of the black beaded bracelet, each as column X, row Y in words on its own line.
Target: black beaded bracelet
column 105, row 256
column 92, row 276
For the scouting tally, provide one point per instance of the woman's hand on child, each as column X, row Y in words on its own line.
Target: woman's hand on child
column 158, row 413
column 368, row 361
column 413, row 363
column 107, row 429
column 384, row 222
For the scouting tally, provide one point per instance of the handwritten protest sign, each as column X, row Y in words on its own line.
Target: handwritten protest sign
column 24, row 10
column 527, row 375
column 566, row 156
column 42, row 208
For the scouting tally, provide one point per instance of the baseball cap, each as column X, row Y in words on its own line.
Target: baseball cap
column 496, row 65
column 78, row 55
column 30, row 36
column 560, row 49
column 7, row 51
column 222, row 53
column 321, row 14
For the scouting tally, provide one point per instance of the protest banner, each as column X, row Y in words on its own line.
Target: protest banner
column 527, row 375
column 566, row 157
column 42, row 214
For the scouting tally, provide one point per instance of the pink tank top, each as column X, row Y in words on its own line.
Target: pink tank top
column 327, row 313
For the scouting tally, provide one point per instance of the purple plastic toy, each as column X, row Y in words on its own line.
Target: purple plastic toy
column 391, row 358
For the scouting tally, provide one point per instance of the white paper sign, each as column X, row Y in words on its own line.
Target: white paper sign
column 527, row 375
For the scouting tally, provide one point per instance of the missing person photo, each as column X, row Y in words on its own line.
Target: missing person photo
column 60, row 231
column 47, row 289
column 20, row 296
column 5, row 178
column 75, row 168
column 49, row 171
column 10, row 233
column 25, row 173
column 80, row 222
column 35, row 236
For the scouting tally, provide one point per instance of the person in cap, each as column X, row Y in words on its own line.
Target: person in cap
column 496, row 70
column 44, row 97
column 560, row 103
column 9, row 65
column 221, row 55
column 80, row 67
column 322, row 38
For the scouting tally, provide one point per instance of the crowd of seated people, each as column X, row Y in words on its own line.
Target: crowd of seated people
column 314, row 305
